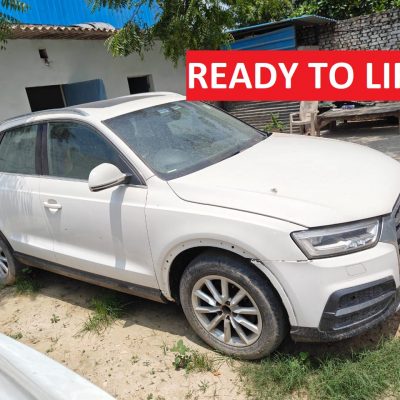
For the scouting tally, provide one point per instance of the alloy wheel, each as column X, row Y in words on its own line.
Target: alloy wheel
column 227, row 311
column 3, row 264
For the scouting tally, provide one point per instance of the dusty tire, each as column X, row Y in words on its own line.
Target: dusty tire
column 250, row 328
column 8, row 264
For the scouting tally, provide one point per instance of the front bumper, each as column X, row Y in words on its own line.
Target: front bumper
column 344, row 296
column 352, row 311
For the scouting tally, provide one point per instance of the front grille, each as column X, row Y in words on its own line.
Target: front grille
column 355, row 306
column 358, row 317
column 354, row 298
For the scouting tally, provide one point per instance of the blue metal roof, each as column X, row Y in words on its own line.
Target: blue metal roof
column 279, row 39
column 71, row 12
column 268, row 26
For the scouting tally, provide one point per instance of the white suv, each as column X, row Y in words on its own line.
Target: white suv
column 255, row 235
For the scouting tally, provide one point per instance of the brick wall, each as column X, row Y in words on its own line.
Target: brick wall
column 380, row 31
column 377, row 31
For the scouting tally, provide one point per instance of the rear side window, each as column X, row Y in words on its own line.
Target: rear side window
column 74, row 149
column 17, row 150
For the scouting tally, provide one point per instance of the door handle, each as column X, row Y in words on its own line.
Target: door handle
column 54, row 206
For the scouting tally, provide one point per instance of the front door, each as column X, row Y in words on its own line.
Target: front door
column 99, row 232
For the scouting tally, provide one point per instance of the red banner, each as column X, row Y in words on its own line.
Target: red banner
column 229, row 75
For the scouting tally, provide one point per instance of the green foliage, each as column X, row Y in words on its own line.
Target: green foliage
column 275, row 125
column 14, row 5
column 191, row 360
column 182, row 355
column 367, row 375
column 97, row 4
column 192, row 24
column 182, row 25
column 106, row 311
column 16, row 336
column 203, row 386
column 257, row 11
column 7, row 20
column 26, row 282
column 338, row 9
column 130, row 39
column 54, row 319
column 134, row 359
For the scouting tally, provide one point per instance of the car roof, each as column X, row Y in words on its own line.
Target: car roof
column 98, row 110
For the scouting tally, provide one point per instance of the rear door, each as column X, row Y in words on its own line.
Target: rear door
column 22, row 218
column 99, row 232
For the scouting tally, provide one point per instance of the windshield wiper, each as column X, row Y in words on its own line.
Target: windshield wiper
column 231, row 155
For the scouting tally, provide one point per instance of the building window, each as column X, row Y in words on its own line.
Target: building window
column 45, row 97
column 140, row 84
column 70, row 94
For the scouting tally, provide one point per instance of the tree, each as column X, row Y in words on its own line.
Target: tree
column 181, row 25
column 7, row 20
column 251, row 12
column 187, row 24
column 339, row 9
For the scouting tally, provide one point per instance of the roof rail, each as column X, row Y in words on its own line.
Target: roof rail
column 52, row 111
column 121, row 100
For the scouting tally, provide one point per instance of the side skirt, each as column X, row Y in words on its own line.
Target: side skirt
column 100, row 280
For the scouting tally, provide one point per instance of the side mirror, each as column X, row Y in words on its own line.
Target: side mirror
column 105, row 176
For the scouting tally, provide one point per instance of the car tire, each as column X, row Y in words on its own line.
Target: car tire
column 249, row 317
column 9, row 266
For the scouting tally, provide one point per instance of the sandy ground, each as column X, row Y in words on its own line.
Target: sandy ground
column 132, row 359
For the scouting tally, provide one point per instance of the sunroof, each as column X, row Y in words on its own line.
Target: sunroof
column 114, row 102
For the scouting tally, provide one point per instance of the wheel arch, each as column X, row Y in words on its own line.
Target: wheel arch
column 4, row 238
column 178, row 259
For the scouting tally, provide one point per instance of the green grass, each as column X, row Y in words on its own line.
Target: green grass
column 106, row 311
column 54, row 319
column 367, row 375
column 26, row 282
column 191, row 360
column 201, row 362
column 16, row 336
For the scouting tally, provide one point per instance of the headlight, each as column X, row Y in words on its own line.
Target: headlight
column 338, row 240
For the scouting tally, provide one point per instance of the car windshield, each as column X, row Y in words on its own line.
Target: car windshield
column 178, row 138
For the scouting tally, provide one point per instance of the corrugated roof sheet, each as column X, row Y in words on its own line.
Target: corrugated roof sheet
column 86, row 32
column 72, row 12
column 278, row 39
column 304, row 20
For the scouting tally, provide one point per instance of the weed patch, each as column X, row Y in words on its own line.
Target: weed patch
column 191, row 360
column 134, row 359
column 366, row 375
column 16, row 336
column 26, row 282
column 54, row 319
column 106, row 311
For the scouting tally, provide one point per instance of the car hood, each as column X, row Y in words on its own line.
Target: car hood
column 305, row 180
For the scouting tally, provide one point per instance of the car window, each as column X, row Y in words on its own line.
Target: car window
column 74, row 149
column 17, row 150
column 177, row 138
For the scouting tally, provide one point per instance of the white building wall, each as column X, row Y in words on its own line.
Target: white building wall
column 74, row 61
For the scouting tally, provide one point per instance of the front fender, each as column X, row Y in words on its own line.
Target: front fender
column 164, row 276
